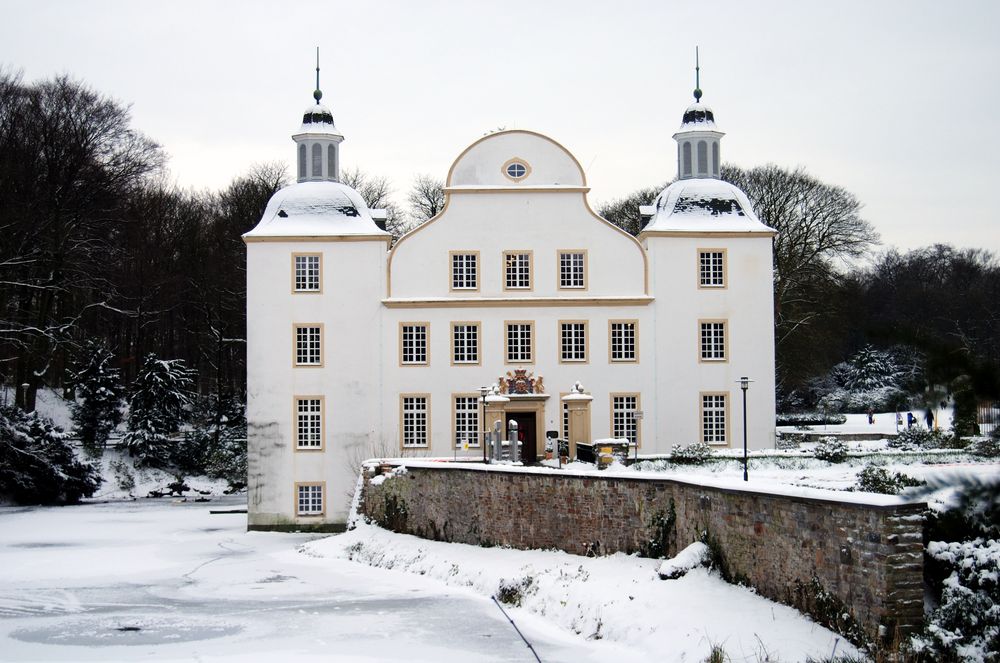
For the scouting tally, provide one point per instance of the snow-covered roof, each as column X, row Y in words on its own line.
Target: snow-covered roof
column 698, row 117
column 704, row 205
column 316, row 209
column 317, row 119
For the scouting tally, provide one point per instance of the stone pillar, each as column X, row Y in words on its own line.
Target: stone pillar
column 578, row 404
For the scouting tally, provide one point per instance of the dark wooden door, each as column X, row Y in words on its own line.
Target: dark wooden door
column 526, row 434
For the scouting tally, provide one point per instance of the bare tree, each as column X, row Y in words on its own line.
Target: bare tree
column 377, row 194
column 426, row 198
column 624, row 212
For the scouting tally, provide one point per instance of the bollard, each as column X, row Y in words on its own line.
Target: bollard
column 512, row 440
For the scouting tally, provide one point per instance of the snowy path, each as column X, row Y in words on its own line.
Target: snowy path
column 170, row 582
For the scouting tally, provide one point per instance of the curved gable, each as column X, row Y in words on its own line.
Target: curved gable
column 546, row 162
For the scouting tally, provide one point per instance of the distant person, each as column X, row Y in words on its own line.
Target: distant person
column 899, row 420
column 871, row 416
column 929, row 418
column 910, row 419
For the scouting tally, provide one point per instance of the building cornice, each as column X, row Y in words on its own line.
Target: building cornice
column 514, row 302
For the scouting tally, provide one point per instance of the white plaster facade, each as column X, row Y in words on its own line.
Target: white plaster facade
column 368, row 293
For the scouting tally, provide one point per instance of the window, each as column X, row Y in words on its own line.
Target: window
column 466, row 420
column 573, row 341
column 520, row 341
column 309, row 499
column 317, row 160
column 686, row 150
column 331, row 161
column 516, row 170
column 308, row 350
column 715, row 158
column 309, row 422
column 702, row 157
column 713, row 419
column 713, row 340
column 517, row 270
column 464, row 270
column 572, row 269
column 465, row 343
column 712, row 268
column 624, row 425
column 565, row 417
column 413, row 343
column 622, row 339
column 414, row 427
column 307, row 273
column 302, row 161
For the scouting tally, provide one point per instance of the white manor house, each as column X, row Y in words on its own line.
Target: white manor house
column 357, row 347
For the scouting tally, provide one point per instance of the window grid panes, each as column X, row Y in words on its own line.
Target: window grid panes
column 466, row 421
column 713, row 341
column 711, row 269
column 414, row 421
column 571, row 270
column 517, row 270
column 464, row 271
column 516, row 170
column 623, row 422
column 565, row 421
column 713, row 418
column 622, row 341
column 309, row 423
column 306, row 273
column 519, row 341
column 307, row 346
column 310, row 499
column 573, row 341
column 465, row 341
column 414, row 340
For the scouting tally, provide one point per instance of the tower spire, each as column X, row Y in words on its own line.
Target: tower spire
column 317, row 93
column 697, row 77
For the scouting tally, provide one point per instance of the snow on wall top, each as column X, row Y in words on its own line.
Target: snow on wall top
column 704, row 205
column 316, row 209
column 547, row 163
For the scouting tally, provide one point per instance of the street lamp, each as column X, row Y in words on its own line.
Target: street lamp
column 482, row 421
column 744, row 385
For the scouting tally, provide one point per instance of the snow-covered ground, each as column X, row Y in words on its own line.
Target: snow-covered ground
column 885, row 423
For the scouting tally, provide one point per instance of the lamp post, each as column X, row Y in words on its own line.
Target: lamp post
column 744, row 385
column 482, row 420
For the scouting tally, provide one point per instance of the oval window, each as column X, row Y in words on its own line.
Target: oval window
column 516, row 169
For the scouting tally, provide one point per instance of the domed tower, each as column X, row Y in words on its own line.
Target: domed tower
column 316, row 274
column 318, row 140
column 711, row 273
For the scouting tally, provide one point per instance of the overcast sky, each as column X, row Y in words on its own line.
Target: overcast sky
column 896, row 101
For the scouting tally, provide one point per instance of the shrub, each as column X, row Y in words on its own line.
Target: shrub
column 875, row 479
column 831, row 450
column 692, row 454
column 37, row 464
column 987, row 447
column 124, row 477
column 810, row 418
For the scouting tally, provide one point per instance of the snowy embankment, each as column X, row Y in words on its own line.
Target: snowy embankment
column 618, row 598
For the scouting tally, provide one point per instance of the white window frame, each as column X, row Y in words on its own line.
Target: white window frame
column 308, row 344
column 414, row 421
column 464, row 274
column 465, row 343
column 714, row 411
column 307, row 273
column 712, row 268
column 713, row 341
column 573, row 341
column 414, row 343
column 465, row 419
column 623, row 421
column 310, row 499
column 572, row 269
column 623, row 341
column 519, row 347
column 310, row 423
column 518, row 269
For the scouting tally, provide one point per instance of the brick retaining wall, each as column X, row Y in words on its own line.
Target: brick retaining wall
column 826, row 557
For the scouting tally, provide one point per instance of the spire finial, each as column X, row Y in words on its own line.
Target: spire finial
column 697, row 77
column 317, row 93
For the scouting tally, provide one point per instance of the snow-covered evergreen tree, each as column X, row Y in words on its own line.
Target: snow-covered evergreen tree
column 97, row 410
column 870, row 369
column 157, row 408
column 37, row 465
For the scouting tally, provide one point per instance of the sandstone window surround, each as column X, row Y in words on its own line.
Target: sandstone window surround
column 309, row 499
column 414, row 338
column 308, row 344
column 309, row 428
column 307, row 273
